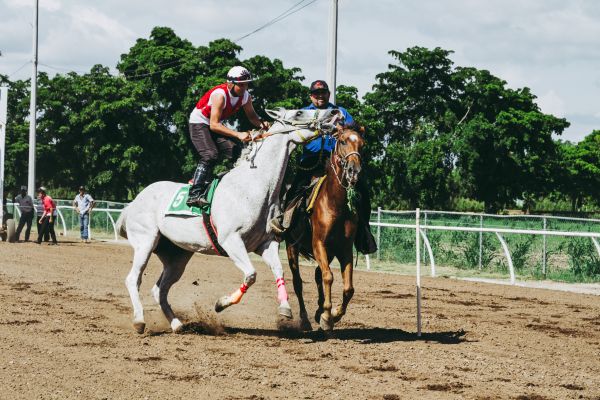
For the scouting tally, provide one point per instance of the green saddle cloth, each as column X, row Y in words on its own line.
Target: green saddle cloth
column 178, row 204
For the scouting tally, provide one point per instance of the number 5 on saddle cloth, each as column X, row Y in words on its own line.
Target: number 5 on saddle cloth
column 178, row 206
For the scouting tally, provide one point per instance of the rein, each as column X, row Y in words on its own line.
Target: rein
column 260, row 135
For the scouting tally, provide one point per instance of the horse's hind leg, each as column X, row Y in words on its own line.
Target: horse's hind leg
column 174, row 260
column 134, row 280
column 155, row 289
column 292, row 253
column 321, row 296
column 270, row 254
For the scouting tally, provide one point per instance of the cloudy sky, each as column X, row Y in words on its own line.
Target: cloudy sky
column 551, row 46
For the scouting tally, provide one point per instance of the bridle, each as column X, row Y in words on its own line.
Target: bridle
column 321, row 128
column 343, row 161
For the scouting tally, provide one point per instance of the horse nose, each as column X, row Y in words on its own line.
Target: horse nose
column 353, row 171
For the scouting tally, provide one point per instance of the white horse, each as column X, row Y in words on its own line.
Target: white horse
column 243, row 204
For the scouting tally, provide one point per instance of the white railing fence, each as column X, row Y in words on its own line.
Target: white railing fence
column 489, row 237
column 533, row 240
column 101, row 225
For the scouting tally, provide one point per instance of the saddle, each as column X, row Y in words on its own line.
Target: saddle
column 178, row 206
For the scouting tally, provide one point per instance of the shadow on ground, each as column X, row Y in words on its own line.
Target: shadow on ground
column 362, row 335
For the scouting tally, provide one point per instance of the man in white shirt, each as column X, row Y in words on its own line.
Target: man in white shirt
column 210, row 137
column 83, row 204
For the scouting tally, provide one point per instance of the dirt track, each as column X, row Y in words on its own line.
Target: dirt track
column 65, row 333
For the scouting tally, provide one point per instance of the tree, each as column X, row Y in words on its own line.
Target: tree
column 578, row 172
column 495, row 137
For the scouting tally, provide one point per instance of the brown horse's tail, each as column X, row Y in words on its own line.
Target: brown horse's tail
column 121, row 223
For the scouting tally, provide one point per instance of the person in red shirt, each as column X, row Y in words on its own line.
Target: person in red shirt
column 208, row 133
column 47, row 219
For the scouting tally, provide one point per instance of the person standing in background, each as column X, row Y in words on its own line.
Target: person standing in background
column 47, row 219
column 83, row 204
column 39, row 210
column 25, row 204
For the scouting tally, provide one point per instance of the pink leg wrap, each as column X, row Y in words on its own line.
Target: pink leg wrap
column 281, row 292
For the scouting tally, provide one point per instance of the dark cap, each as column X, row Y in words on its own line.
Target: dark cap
column 81, row 187
column 318, row 85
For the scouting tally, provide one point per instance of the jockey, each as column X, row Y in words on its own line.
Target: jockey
column 312, row 163
column 210, row 137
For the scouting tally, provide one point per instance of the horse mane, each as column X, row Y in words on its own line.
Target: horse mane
column 246, row 150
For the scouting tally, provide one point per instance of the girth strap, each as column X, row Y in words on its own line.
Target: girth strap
column 212, row 234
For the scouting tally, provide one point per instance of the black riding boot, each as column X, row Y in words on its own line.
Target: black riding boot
column 364, row 241
column 197, row 193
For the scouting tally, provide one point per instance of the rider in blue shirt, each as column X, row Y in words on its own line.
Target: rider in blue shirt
column 319, row 96
column 312, row 163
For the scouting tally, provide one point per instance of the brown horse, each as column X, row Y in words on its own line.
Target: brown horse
column 333, row 221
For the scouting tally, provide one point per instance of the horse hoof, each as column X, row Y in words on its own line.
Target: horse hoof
column 176, row 325
column 285, row 311
column 318, row 314
column 337, row 315
column 139, row 327
column 305, row 325
column 326, row 324
column 222, row 304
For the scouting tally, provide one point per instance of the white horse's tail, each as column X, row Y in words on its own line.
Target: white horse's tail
column 121, row 223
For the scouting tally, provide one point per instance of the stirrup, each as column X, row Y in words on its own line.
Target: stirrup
column 196, row 202
column 277, row 226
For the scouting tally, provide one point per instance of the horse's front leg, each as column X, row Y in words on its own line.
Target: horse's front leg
column 270, row 254
column 235, row 247
column 292, row 253
column 346, row 263
column 320, row 252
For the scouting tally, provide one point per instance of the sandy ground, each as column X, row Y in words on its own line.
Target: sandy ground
column 65, row 332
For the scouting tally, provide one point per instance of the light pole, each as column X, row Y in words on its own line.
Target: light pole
column 3, row 121
column 33, row 105
column 332, row 55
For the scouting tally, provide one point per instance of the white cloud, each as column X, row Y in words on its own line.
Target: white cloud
column 551, row 103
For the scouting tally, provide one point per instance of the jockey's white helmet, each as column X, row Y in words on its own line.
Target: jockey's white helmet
column 239, row 74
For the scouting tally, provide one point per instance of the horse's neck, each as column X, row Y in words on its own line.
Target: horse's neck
column 270, row 161
column 335, row 191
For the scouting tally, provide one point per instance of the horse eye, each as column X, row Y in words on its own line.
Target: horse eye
column 343, row 142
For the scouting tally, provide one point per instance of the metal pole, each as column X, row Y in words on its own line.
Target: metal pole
column 480, row 242
column 378, row 233
column 33, row 105
column 425, row 232
column 332, row 55
column 544, row 251
column 3, row 121
column 418, row 259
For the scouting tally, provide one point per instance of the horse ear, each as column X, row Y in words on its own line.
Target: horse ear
column 339, row 129
column 361, row 130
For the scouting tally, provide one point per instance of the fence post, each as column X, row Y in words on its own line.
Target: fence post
column 378, row 233
column 544, row 251
column 418, row 251
column 425, row 230
column 480, row 242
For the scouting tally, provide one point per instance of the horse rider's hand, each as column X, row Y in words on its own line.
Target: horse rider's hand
column 244, row 136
